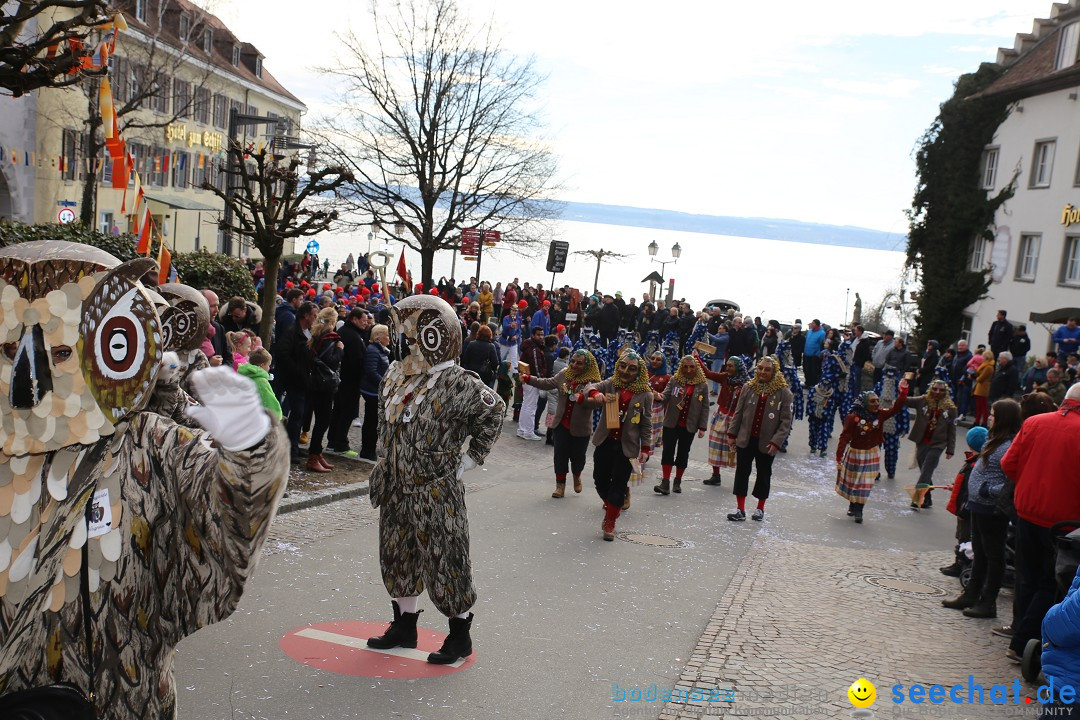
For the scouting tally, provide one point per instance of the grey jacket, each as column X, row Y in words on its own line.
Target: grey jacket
column 987, row 481
column 944, row 432
column 581, row 417
column 636, row 423
column 697, row 418
column 775, row 423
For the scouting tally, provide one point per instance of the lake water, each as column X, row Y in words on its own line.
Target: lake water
column 771, row 278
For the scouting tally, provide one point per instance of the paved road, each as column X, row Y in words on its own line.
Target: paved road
column 564, row 617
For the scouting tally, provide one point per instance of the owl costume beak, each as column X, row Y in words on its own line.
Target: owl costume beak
column 31, row 376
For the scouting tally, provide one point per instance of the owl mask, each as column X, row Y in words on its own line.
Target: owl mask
column 81, row 343
column 431, row 332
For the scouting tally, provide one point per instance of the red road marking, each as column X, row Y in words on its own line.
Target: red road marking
column 340, row 647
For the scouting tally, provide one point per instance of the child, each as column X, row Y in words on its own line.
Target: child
column 257, row 368
column 505, row 382
column 240, row 345
column 976, row 438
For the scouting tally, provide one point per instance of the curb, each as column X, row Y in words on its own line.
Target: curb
column 324, row 497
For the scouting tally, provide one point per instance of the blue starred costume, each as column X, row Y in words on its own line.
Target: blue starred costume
column 895, row 427
column 824, row 400
column 850, row 381
column 787, row 366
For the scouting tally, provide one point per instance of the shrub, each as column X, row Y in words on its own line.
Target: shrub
column 226, row 276
column 122, row 247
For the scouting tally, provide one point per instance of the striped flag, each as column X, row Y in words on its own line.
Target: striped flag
column 164, row 262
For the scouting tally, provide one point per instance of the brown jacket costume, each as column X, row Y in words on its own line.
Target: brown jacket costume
column 580, row 416
column 775, row 423
column 697, row 416
column 944, row 435
column 636, row 421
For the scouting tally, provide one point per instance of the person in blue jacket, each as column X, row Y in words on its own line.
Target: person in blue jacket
column 542, row 318
column 1067, row 338
column 1061, row 653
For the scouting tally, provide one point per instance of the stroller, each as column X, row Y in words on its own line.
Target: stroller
column 1066, row 540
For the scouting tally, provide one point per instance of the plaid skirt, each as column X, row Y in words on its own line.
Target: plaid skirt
column 721, row 454
column 658, row 413
column 856, row 475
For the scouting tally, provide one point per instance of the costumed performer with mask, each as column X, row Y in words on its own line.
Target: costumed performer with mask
column 858, row 456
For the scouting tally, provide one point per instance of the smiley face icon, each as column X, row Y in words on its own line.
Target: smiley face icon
column 862, row 693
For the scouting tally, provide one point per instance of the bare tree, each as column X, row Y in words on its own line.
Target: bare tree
column 272, row 203
column 43, row 43
column 439, row 130
column 600, row 255
column 145, row 79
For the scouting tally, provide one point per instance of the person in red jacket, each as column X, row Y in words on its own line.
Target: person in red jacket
column 858, row 459
column 1042, row 463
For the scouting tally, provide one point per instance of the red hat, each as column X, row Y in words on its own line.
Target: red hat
column 311, row 293
column 375, row 287
column 434, row 291
column 560, row 326
column 547, row 303
column 289, row 285
column 303, row 283
column 326, row 286
column 522, row 304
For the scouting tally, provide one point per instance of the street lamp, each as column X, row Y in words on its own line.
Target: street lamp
column 676, row 252
column 371, row 235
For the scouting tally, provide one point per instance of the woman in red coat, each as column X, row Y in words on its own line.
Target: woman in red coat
column 857, row 457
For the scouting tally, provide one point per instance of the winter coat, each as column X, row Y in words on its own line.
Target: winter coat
column 1006, row 382
column 261, row 378
column 775, row 422
column 958, row 496
column 326, row 349
column 1061, row 639
column 983, row 376
column 987, row 482
column 1042, row 462
column 482, row 358
column 352, row 364
column 959, row 365
column 944, row 435
column 1000, row 335
column 636, row 429
column 697, row 415
column 376, row 362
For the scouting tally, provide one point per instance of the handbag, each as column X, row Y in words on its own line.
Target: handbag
column 62, row 700
column 323, row 378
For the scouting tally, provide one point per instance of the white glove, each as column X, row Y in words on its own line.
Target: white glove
column 230, row 410
column 467, row 464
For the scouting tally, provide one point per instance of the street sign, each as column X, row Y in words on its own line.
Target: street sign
column 313, row 247
column 557, row 252
column 470, row 242
column 65, row 216
column 341, row 647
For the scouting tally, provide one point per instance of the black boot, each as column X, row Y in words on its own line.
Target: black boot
column 664, row 487
column 713, row 480
column 676, row 487
column 401, row 633
column 858, row 513
column 850, row 509
column 953, row 570
column 961, row 602
column 927, row 502
column 457, row 644
column 982, row 609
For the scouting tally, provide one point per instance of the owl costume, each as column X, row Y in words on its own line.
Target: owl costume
column 98, row 499
column 428, row 406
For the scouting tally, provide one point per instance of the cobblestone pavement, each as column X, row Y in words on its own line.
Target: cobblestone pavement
column 800, row 622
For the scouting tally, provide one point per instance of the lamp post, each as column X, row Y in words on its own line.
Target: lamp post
column 676, row 252
column 233, row 158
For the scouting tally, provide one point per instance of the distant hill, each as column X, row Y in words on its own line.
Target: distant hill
column 767, row 228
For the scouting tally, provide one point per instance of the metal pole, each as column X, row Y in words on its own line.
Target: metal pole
column 479, row 255
column 596, row 280
column 453, row 262
column 227, row 218
column 847, row 298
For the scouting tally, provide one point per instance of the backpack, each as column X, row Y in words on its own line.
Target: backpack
column 324, row 379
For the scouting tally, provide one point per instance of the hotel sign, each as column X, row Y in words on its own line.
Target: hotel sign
column 178, row 132
column 1070, row 215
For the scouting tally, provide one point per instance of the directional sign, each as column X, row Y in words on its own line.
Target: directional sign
column 341, row 647
column 313, row 247
column 65, row 216
column 557, row 252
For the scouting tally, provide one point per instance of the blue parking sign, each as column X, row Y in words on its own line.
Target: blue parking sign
column 313, row 247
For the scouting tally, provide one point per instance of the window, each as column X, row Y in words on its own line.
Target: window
column 221, row 111
column 1067, row 46
column 180, row 170
column 157, row 167
column 1027, row 260
column 138, row 157
column 979, row 254
column 185, row 27
column 181, row 99
column 258, row 67
column 965, row 328
column 236, row 55
column 120, row 79
column 198, row 170
column 202, row 106
column 137, row 83
column 68, row 141
column 1070, row 262
column 1042, row 164
column 207, row 40
column 989, row 168
column 106, row 223
column 159, row 103
column 140, row 9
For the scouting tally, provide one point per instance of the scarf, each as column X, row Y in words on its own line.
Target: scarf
column 694, row 377
column 741, row 377
column 641, row 383
column 778, row 380
column 662, row 370
column 591, row 374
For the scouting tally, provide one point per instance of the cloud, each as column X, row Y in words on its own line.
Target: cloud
column 894, row 88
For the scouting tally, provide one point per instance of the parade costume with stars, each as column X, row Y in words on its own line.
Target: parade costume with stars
column 823, row 401
column 428, row 406
column 175, row 524
column 895, row 427
column 849, row 381
column 857, row 450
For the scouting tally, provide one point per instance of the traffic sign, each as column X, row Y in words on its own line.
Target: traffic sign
column 557, row 252
column 341, row 647
column 313, row 247
column 66, row 215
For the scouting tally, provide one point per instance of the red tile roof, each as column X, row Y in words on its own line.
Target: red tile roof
column 1032, row 72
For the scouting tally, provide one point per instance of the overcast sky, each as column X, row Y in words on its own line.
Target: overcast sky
column 786, row 109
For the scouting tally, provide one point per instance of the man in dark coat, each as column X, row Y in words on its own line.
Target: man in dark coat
column 1000, row 335
column 1006, row 380
column 294, row 361
column 285, row 315
column 608, row 322
column 347, row 401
